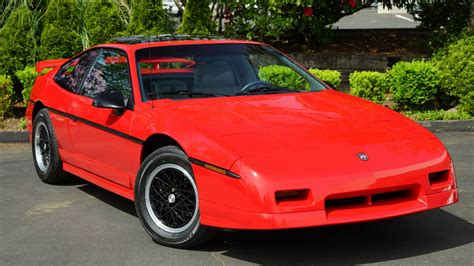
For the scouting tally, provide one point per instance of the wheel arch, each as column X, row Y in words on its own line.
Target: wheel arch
column 37, row 107
column 155, row 142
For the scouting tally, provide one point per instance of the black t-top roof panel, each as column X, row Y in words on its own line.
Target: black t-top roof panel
column 162, row 38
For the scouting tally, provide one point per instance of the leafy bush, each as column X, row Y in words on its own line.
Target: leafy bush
column 437, row 115
column 27, row 77
column 369, row 85
column 282, row 76
column 197, row 18
column 23, row 123
column 330, row 76
column 148, row 18
column 456, row 64
column 414, row 84
column 6, row 95
column 60, row 36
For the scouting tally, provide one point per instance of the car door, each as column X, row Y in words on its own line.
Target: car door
column 65, row 86
column 100, row 135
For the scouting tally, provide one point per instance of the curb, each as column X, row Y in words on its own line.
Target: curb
column 434, row 126
column 448, row 126
column 14, row 136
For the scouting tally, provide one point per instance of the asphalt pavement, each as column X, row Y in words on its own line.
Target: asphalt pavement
column 80, row 223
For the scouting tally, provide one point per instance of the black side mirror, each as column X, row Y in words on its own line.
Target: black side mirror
column 109, row 99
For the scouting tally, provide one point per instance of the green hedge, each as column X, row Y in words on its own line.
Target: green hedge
column 414, row 84
column 282, row 76
column 456, row 65
column 6, row 95
column 330, row 76
column 369, row 85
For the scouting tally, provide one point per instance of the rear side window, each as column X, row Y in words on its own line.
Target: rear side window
column 72, row 73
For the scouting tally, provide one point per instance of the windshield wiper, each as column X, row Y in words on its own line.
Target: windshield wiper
column 192, row 93
column 267, row 89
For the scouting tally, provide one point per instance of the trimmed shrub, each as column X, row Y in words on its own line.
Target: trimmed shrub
column 102, row 21
column 330, row 76
column 6, row 96
column 282, row 76
column 60, row 37
column 437, row 115
column 197, row 18
column 456, row 65
column 27, row 77
column 369, row 85
column 414, row 84
column 148, row 18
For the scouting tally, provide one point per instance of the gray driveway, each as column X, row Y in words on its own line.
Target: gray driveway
column 369, row 19
column 79, row 223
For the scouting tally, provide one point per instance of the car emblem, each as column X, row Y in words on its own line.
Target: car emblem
column 362, row 156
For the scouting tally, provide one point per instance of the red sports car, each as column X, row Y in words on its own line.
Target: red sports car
column 193, row 132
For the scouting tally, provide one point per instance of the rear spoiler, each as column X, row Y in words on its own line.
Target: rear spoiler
column 42, row 65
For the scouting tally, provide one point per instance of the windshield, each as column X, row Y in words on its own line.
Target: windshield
column 219, row 70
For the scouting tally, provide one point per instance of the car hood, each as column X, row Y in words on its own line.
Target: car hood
column 296, row 122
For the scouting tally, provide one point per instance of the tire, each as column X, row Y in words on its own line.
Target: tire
column 47, row 161
column 166, row 199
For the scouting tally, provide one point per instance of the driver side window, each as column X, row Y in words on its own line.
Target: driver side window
column 110, row 72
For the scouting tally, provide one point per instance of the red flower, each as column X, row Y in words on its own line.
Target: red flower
column 308, row 11
column 352, row 3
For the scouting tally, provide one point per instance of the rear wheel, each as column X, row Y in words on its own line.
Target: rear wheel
column 166, row 199
column 45, row 149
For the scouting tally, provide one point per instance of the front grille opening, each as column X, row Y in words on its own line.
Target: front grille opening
column 367, row 199
column 291, row 195
column 438, row 177
column 390, row 196
column 345, row 202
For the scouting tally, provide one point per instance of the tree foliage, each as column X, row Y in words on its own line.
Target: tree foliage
column 60, row 36
column 304, row 20
column 103, row 21
column 18, row 41
column 149, row 18
column 197, row 18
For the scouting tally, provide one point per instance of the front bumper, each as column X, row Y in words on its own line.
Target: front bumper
column 231, row 218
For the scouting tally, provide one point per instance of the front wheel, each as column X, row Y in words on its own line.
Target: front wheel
column 167, row 201
column 45, row 149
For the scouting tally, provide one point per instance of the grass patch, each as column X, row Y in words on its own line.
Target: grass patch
column 437, row 115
